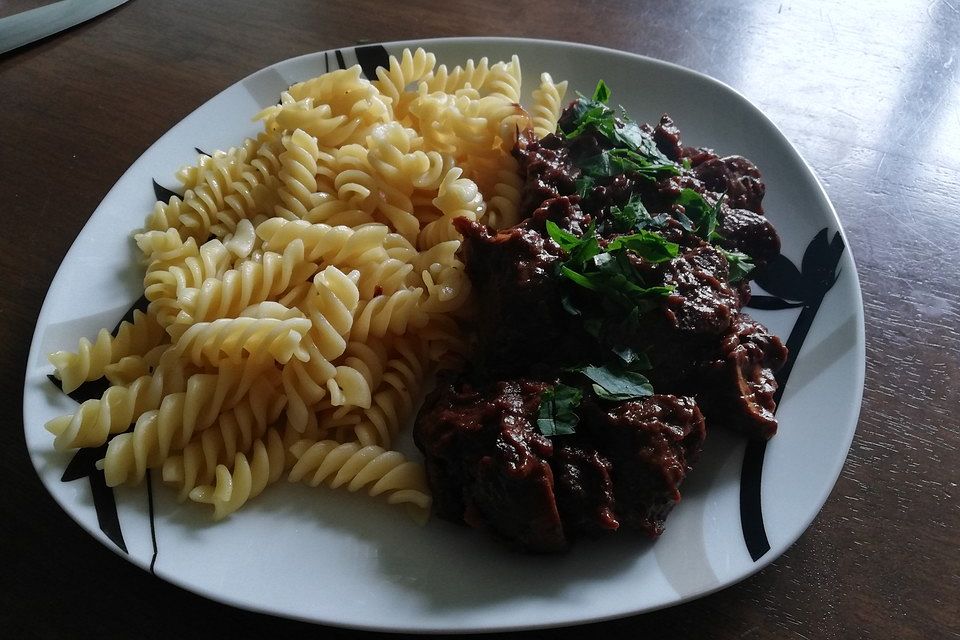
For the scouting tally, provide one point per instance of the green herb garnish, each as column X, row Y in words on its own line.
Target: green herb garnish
column 593, row 113
column 740, row 264
column 609, row 272
column 633, row 216
column 584, row 185
column 625, row 218
column 613, row 162
column 649, row 245
column 615, row 384
column 556, row 416
column 704, row 216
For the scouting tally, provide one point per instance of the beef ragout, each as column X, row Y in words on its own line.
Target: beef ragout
column 610, row 335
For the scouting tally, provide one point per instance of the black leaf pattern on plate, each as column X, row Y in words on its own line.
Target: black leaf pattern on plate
column 772, row 303
column 83, row 463
column 370, row 57
column 340, row 63
column 163, row 194
column 807, row 285
column 86, row 391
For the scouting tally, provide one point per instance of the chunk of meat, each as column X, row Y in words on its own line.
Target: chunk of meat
column 686, row 324
column 547, row 169
column 652, row 444
column 749, row 232
column 737, row 177
column 520, row 316
column 736, row 386
column 488, row 464
column 584, row 488
column 667, row 136
column 491, row 468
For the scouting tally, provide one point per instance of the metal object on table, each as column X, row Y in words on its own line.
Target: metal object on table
column 30, row 26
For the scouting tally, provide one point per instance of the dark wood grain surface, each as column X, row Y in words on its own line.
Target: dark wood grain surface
column 869, row 95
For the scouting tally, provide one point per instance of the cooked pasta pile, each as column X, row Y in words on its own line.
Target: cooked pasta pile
column 305, row 286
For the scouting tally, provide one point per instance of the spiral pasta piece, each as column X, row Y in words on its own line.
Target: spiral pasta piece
column 329, row 210
column 471, row 73
column 298, row 174
column 213, row 184
column 117, row 408
column 234, row 432
column 331, row 310
column 233, row 338
column 242, row 240
column 128, row 368
column 164, row 248
column 504, row 80
column 249, row 477
column 171, row 426
column 547, row 105
column 251, row 282
column 317, row 120
column 373, row 468
column 457, row 197
column 347, row 106
column 392, row 313
column 305, row 385
column 341, row 246
column 397, row 395
column 166, row 280
column 91, row 359
column 410, row 68
column 503, row 208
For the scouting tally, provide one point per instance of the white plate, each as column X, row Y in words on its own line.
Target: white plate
column 337, row 558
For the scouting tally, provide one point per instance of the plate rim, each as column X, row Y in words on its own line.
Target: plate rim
column 758, row 565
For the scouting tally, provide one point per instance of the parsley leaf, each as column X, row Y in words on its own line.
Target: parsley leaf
column 740, row 264
column 632, row 216
column 566, row 240
column 584, row 185
column 623, row 219
column 633, row 137
column 704, row 216
column 616, row 384
column 648, row 245
column 593, row 113
column 610, row 272
column 601, row 93
column 613, row 162
column 556, row 416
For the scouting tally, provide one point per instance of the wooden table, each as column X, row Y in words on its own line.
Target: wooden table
column 870, row 97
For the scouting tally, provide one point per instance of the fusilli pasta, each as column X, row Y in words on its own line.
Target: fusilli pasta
column 306, row 284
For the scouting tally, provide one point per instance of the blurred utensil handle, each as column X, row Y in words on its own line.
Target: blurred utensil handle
column 30, row 26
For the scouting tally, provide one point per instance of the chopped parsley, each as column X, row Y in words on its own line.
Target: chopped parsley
column 636, row 151
column 609, row 272
column 613, row 162
column 740, row 264
column 556, row 416
column 617, row 384
column 633, row 216
column 704, row 216
column 602, row 287
column 610, row 275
